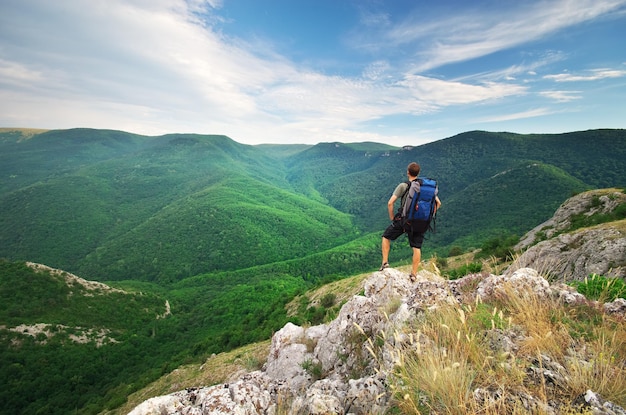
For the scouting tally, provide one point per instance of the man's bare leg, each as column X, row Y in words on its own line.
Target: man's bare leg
column 386, row 246
column 417, row 257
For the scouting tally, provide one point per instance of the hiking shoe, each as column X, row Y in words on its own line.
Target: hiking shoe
column 384, row 265
column 413, row 277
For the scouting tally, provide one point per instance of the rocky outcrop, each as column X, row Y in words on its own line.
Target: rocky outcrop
column 554, row 248
column 588, row 203
column 345, row 366
column 71, row 280
column 575, row 255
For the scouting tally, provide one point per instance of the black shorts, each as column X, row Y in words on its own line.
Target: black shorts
column 396, row 229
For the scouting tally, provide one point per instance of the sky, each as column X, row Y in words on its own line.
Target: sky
column 307, row 71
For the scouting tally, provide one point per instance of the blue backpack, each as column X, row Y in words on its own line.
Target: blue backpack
column 418, row 211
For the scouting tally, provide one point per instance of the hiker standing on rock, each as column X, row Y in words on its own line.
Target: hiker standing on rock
column 400, row 224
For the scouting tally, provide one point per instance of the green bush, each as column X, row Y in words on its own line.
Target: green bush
column 312, row 368
column 463, row 270
column 598, row 287
column 582, row 220
column 455, row 251
column 500, row 247
column 328, row 300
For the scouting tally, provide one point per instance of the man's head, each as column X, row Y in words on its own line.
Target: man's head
column 413, row 169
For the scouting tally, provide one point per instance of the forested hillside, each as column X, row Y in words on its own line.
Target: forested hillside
column 229, row 233
column 69, row 344
column 469, row 162
column 110, row 205
column 164, row 209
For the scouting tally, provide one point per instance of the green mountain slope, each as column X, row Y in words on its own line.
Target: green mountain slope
column 177, row 206
column 596, row 158
column 232, row 225
column 112, row 205
column 504, row 204
column 75, row 346
column 28, row 158
column 67, row 343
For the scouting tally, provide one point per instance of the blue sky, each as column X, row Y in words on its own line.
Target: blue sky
column 308, row 71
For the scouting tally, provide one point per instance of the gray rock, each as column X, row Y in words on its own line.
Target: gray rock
column 575, row 254
column 354, row 355
column 618, row 306
column 587, row 203
column 598, row 406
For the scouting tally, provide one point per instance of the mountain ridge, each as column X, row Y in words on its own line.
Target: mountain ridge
column 83, row 199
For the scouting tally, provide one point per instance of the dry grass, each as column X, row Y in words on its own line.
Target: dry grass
column 604, row 368
column 544, row 267
column 439, row 371
column 451, row 358
column 343, row 289
column 540, row 319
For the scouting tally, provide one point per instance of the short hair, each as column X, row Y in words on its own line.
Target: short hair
column 414, row 169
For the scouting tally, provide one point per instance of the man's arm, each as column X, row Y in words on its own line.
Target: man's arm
column 437, row 203
column 390, row 203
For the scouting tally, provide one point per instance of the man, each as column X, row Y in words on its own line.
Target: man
column 396, row 229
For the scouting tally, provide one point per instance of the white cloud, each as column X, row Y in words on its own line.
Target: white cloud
column 523, row 71
column 538, row 112
column 16, row 73
column 593, row 75
column 471, row 33
column 155, row 62
column 442, row 93
column 374, row 19
column 562, row 96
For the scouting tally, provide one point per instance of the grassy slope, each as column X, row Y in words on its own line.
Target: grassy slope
column 595, row 158
column 523, row 195
column 219, row 229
